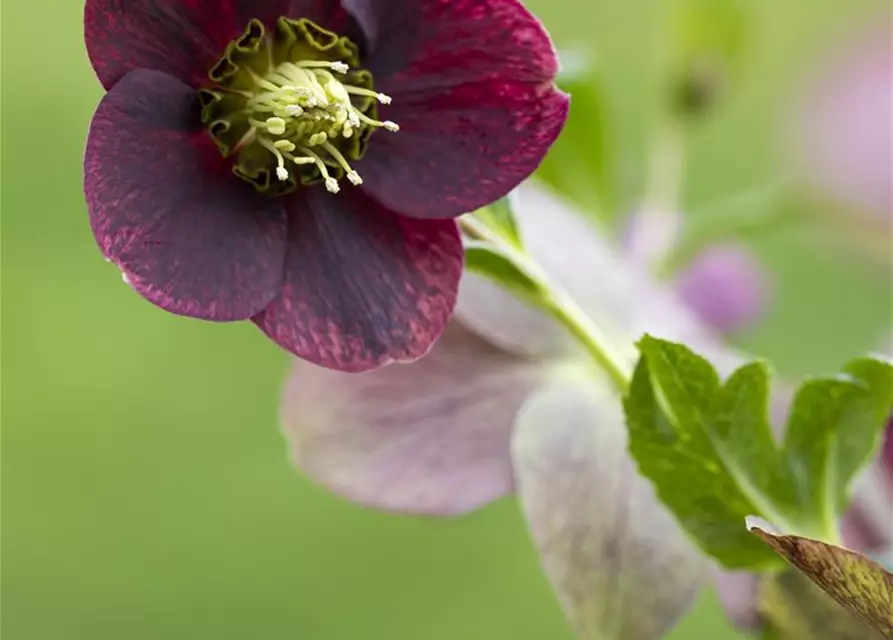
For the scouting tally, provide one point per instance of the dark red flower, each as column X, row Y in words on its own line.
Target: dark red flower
column 229, row 126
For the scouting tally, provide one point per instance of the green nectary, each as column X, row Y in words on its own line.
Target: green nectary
column 291, row 107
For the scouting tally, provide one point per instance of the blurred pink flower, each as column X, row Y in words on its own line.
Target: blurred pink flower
column 844, row 124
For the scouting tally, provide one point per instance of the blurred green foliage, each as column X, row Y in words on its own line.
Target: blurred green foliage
column 146, row 491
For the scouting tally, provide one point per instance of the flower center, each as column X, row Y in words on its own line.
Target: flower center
column 292, row 108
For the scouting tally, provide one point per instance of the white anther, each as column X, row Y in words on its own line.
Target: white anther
column 390, row 126
column 293, row 110
column 126, row 279
column 340, row 67
column 332, row 185
column 382, row 98
column 354, row 178
column 281, row 173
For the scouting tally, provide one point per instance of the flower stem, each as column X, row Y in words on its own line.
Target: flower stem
column 558, row 303
column 657, row 225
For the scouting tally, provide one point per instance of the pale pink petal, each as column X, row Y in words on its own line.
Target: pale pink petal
column 619, row 563
column 428, row 437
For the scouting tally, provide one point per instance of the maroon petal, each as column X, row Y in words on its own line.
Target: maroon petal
column 191, row 238
column 431, row 44
column 183, row 38
column 462, row 149
column 363, row 286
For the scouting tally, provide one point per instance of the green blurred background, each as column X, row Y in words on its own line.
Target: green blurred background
column 146, row 490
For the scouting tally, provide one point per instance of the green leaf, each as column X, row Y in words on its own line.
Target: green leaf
column 857, row 583
column 707, row 448
column 834, row 427
column 792, row 607
column 499, row 217
column 579, row 164
column 498, row 265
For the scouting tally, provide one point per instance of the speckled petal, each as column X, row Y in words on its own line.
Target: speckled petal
column 424, row 45
column 429, row 437
column 363, row 286
column 190, row 236
column 462, row 148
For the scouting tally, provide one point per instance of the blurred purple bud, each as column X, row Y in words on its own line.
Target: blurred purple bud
column 726, row 286
column 844, row 128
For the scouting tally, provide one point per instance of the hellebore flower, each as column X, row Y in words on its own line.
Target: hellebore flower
column 247, row 161
column 506, row 401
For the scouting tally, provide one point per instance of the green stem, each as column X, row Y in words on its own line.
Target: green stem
column 666, row 171
column 558, row 303
column 659, row 217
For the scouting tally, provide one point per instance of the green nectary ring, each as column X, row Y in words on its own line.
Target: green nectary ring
column 291, row 107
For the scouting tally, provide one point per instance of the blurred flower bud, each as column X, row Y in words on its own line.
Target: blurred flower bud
column 700, row 88
column 708, row 46
column 726, row 286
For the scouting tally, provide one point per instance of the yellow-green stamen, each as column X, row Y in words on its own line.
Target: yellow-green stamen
column 314, row 108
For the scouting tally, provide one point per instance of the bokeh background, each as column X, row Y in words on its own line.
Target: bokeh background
column 146, row 492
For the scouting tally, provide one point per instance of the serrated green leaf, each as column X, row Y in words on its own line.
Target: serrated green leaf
column 686, row 429
column 499, row 217
column 497, row 265
column 579, row 164
column 857, row 583
column 708, row 446
column 834, row 427
column 792, row 607
column 856, row 446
